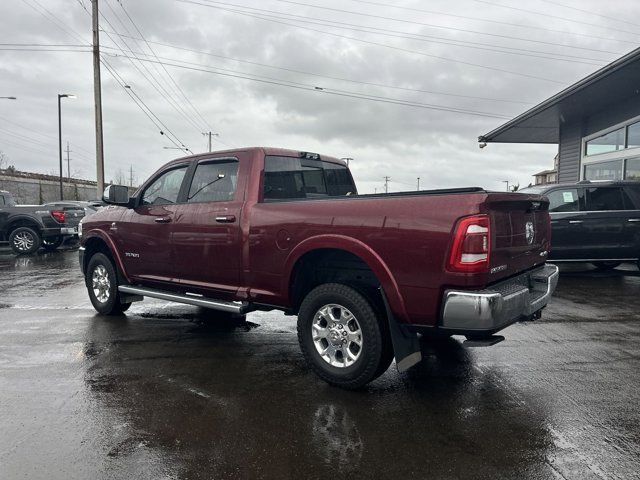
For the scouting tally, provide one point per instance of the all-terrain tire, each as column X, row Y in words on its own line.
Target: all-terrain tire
column 373, row 355
column 102, row 284
column 24, row 240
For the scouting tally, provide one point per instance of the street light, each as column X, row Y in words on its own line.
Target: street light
column 176, row 148
column 9, row 98
column 60, row 96
column 507, row 182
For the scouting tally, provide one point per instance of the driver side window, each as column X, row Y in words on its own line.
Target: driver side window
column 165, row 189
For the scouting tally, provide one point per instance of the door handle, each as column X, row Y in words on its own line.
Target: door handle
column 226, row 218
column 575, row 221
column 162, row 220
column 633, row 220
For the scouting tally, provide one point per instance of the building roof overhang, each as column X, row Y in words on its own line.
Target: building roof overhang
column 611, row 84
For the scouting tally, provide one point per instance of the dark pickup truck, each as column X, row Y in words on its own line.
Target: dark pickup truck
column 29, row 227
column 265, row 228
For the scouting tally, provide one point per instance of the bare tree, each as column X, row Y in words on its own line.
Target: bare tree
column 119, row 178
column 4, row 160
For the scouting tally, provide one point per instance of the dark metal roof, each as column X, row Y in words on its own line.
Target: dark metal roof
column 611, row 84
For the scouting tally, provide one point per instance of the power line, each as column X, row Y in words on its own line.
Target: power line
column 498, row 22
column 184, row 95
column 590, row 12
column 342, row 79
column 154, row 82
column 548, row 15
column 416, row 52
column 325, row 90
column 411, row 22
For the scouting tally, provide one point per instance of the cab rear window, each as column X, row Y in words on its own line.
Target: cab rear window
column 298, row 178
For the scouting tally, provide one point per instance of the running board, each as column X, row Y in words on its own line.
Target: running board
column 233, row 307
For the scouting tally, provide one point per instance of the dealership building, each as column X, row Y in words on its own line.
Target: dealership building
column 595, row 122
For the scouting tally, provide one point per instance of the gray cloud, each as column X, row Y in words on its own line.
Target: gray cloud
column 399, row 141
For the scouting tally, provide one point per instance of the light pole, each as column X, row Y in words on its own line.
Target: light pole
column 60, row 96
column 347, row 159
column 184, row 149
column 507, row 182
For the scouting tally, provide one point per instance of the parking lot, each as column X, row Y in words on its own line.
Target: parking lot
column 168, row 392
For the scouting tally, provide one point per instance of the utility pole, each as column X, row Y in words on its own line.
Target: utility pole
column 97, row 96
column 209, row 134
column 131, row 175
column 386, row 184
column 68, row 162
column 507, row 182
column 418, row 189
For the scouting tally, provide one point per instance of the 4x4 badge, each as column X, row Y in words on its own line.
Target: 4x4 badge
column 529, row 232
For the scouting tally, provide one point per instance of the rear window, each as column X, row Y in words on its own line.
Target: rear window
column 291, row 177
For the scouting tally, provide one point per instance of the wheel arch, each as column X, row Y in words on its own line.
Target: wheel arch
column 23, row 221
column 97, row 241
column 311, row 253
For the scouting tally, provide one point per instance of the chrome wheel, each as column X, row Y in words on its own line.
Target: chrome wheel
column 100, row 283
column 337, row 335
column 23, row 241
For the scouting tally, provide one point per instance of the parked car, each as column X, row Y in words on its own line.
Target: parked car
column 597, row 222
column 29, row 227
column 263, row 229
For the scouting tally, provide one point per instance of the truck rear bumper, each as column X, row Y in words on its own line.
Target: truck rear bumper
column 490, row 310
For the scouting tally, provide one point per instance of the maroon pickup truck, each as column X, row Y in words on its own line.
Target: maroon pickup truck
column 265, row 228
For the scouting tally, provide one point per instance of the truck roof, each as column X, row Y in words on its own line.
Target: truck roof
column 266, row 150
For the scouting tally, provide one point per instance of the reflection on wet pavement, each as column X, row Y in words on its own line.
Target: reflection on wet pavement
column 168, row 391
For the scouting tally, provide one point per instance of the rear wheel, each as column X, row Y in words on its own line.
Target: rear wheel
column 52, row 243
column 606, row 265
column 102, row 284
column 24, row 240
column 342, row 336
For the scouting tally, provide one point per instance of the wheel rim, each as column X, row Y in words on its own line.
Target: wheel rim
column 100, row 283
column 23, row 241
column 337, row 335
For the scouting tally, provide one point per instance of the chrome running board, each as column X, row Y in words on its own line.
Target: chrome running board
column 233, row 307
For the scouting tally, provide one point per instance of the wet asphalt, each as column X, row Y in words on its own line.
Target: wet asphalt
column 167, row 392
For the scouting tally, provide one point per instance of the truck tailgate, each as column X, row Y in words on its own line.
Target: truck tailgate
column 521, row 233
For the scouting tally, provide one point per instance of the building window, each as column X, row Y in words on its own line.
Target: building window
column 611, row 170
column 633, row 135
column 632, row 172
column 609, row 142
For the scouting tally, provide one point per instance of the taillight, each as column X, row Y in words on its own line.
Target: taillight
column 471, row 245
column 58, row 215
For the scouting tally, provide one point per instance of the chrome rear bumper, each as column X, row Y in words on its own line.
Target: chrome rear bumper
column 501, row 304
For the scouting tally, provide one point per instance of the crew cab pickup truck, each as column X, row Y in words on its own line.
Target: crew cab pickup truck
column 266, row 228
column 29, row 227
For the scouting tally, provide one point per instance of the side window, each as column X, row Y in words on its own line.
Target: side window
column 604, row 198
column 290, row 177
column 214, row 182
column 564, row 200
column 165, row 189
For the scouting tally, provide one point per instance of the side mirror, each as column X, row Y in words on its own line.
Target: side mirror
column 116, row 195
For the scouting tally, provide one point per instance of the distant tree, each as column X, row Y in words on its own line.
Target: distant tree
column 515, row 188
column 3, row 160
column 120, row 178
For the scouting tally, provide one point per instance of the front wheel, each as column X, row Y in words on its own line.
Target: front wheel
column 24, row 240
column 102, row 284
column 342, row 336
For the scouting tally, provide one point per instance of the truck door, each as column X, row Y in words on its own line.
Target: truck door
column 144, row 233
column 566, row 223
column 207, row 239
column 631, row 239
column 604, row 224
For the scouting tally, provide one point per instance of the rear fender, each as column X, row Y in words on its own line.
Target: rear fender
column 360, row 250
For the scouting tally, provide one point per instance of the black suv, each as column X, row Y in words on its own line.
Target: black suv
column 597, row 222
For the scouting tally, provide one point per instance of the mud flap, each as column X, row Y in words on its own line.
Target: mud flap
column 406, row 347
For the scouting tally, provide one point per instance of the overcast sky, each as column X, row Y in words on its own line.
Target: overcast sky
column 224, row 65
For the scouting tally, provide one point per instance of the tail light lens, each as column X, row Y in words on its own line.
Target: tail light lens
column 471, row 245
column 58, row 215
